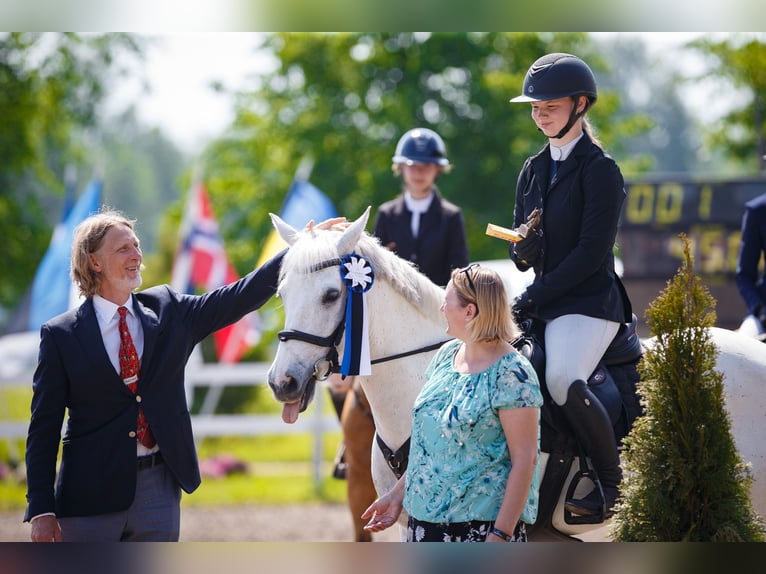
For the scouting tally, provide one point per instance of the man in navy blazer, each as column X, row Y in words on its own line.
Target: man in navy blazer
column 110, row 486
column 751, row 283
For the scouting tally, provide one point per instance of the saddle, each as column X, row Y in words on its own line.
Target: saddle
column 613, row 381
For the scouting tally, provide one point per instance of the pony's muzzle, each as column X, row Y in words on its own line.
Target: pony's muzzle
column 285, row 389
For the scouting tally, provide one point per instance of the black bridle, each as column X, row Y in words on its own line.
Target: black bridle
column 323, row 368
column 328, row 365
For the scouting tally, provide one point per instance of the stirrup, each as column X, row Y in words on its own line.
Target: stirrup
column 340, row 470
column 341, row 467
column 595, row 518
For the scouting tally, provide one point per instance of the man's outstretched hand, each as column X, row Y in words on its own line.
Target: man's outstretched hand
column 337, row 223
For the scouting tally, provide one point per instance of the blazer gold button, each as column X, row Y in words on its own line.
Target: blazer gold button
column 132, row 434
column 138, row 398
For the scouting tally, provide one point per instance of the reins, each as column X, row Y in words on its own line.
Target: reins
column 417, row 351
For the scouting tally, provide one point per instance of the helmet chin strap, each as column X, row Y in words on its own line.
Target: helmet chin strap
column 573, row 117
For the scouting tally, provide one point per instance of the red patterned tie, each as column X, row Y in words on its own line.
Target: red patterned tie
column 129, row 372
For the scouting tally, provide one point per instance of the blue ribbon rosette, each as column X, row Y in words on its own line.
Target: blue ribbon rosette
column 358, row 276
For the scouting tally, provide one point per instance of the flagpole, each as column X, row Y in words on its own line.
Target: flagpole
column 304, row 169
column 70, row 189
column 302, row 175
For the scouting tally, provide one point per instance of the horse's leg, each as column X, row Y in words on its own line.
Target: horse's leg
column 338, row 397
column 358, row 432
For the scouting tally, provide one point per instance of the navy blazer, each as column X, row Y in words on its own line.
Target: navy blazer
column 580, row 215
column 753, row 244
column 97, row 474
column 440, row 245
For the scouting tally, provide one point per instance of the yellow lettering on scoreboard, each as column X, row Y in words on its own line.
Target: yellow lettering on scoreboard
column 640, row 206
column 706, row 201
column 670, row 200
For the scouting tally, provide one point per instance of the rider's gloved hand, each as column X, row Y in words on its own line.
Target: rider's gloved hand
column 529, row 249
column 522, row 307
column 760, row 313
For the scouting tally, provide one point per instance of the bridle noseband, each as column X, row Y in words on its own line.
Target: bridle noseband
column 324, row 367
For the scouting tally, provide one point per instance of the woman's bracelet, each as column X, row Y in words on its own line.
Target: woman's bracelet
column 500, row 534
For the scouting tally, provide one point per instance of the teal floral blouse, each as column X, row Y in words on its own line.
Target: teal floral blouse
column 459, row 462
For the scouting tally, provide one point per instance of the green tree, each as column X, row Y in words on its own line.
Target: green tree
column 684, row 479
column 143, row 176
column 51, row 86
column 739, row 62
column 663, row 135
column 345, row 99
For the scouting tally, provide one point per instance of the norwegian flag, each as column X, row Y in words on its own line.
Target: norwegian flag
column 201, row 263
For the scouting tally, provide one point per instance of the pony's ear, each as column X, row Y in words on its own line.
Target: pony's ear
column 352, row 233
column 285, row 230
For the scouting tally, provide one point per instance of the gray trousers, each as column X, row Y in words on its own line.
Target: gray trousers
column 154, row 516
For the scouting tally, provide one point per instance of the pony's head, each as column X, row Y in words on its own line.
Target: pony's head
column 312, row 294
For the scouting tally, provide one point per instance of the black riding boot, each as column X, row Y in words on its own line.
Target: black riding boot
column 593, row 429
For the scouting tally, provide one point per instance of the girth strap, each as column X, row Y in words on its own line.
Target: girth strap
column 397, row 461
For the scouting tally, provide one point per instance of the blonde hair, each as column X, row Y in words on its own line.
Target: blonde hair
column 88, row 238
column 485, row 289
column 396, row 168
column 588, row 129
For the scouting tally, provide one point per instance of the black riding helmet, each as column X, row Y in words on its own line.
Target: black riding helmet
column 559, row 75
column 420, row 145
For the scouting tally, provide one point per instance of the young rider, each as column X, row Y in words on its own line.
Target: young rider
column 576, row 292
column 419, row 224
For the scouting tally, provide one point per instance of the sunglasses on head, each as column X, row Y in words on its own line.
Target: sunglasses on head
column 467, row 271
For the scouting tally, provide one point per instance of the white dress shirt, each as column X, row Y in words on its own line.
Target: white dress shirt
column 417, row 207
column 561, row 153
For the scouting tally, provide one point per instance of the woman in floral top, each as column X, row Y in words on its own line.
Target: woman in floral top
column 472, row 473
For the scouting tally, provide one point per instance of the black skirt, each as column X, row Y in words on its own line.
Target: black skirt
column 472, row 531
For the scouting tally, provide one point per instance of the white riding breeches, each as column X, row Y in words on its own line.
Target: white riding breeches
column 751, row 326
column 574, row 344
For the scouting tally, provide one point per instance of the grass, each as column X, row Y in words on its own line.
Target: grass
column 272, row 490
column 14, row 406
column 278, row 467
column 12, row 495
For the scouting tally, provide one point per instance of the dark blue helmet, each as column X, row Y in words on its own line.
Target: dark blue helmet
column 557, row 76
column 420, row 145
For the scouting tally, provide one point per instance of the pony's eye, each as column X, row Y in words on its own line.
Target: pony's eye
column 330, row 296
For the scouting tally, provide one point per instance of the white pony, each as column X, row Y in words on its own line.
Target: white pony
column 404, row 317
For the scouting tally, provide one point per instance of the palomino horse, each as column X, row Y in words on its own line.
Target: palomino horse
column 403, row 315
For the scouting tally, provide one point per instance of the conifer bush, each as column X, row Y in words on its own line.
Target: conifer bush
column 684, row 479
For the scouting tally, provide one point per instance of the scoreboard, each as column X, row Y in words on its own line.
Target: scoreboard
column 710, row 213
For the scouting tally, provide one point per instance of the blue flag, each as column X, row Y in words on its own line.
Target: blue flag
column 52, row 285
column 303, row 203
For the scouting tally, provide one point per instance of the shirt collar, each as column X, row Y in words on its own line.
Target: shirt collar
column 561, row 153
column 418, row 205
column 107, row 310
